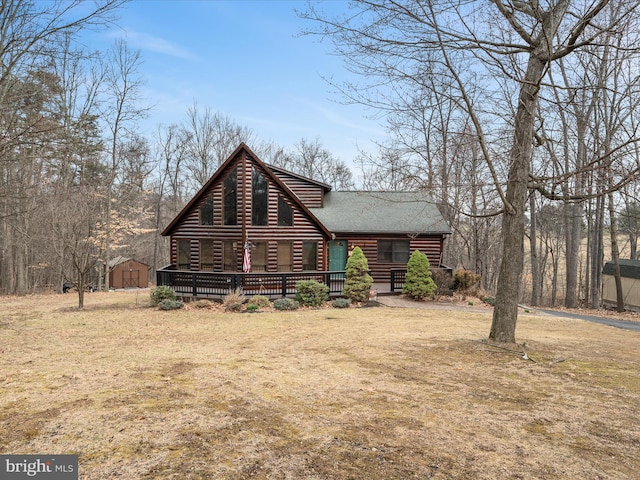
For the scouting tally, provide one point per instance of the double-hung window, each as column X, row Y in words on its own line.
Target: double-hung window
column 393, row 251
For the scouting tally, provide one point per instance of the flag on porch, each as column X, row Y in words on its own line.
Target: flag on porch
column 246, row 261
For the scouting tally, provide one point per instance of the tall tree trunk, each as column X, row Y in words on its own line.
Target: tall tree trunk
column 573, row 222
column 10, row 270
column 597, row 255
column 21, row 268
column 590, row 240
column 615, row 254
column 574, row 212
column 533, row 248
column 81, row 286
column 505, row 313
column 554, row 281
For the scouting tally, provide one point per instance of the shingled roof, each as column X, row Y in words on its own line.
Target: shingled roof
column 381, row 212
column 628, row 268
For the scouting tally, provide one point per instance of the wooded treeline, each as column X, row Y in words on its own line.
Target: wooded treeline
column 521, row 117
column 79, row 184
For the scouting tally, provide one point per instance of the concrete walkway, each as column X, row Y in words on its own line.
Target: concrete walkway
column 402, row 302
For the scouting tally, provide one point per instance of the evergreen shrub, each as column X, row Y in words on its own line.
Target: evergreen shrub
column 170, row 304
column 418, row 283
column 310, row 293
column 489, row 301
column 161, row 293
column 285, row 304
column 341, row 303
column 358, row 281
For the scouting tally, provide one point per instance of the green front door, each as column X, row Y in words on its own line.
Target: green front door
column 337, row 255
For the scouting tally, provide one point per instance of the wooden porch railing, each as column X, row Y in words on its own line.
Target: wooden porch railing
column 398, row 277
column 218, row 284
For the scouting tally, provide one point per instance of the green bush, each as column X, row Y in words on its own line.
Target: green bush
column 260, row 300
column 252, row 307
column 170, row 304
column 285, row 304
column 465, row 281
column 418, row 283
column 233, row 301
column 489, row 300
column 358, row 281
column 160, row 294
column 310, row 293
column 341, row 303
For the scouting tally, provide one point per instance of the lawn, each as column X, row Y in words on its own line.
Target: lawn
column 359, row 393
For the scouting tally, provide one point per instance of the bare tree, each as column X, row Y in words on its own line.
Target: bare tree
column 312, row 160
column 629, row 221
column 32, row 36
column 209, row 140
column 592, row 151
column 124, row 107
column 486, row 51
column 80, row 234
column 386, row 169
column 551, row 231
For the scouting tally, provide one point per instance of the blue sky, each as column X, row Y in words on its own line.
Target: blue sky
column 244, row 59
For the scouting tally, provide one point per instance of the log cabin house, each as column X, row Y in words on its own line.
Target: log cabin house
column 262, row 228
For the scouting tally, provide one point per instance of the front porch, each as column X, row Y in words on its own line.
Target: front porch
column 203, row 284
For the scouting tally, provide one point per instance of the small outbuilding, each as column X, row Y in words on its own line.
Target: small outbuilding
column 630, row 276
column 128, row 273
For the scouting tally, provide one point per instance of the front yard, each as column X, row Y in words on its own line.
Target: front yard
column 361, row 393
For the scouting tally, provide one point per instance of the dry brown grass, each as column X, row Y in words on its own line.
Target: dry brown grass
column 368, row 393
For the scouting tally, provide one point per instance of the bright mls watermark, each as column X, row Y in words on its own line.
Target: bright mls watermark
column 48, row 467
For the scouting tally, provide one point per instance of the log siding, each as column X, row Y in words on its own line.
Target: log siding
column 301, row 195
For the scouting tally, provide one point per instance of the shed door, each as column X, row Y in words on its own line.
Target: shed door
column 337, row 255
column 130, row 278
